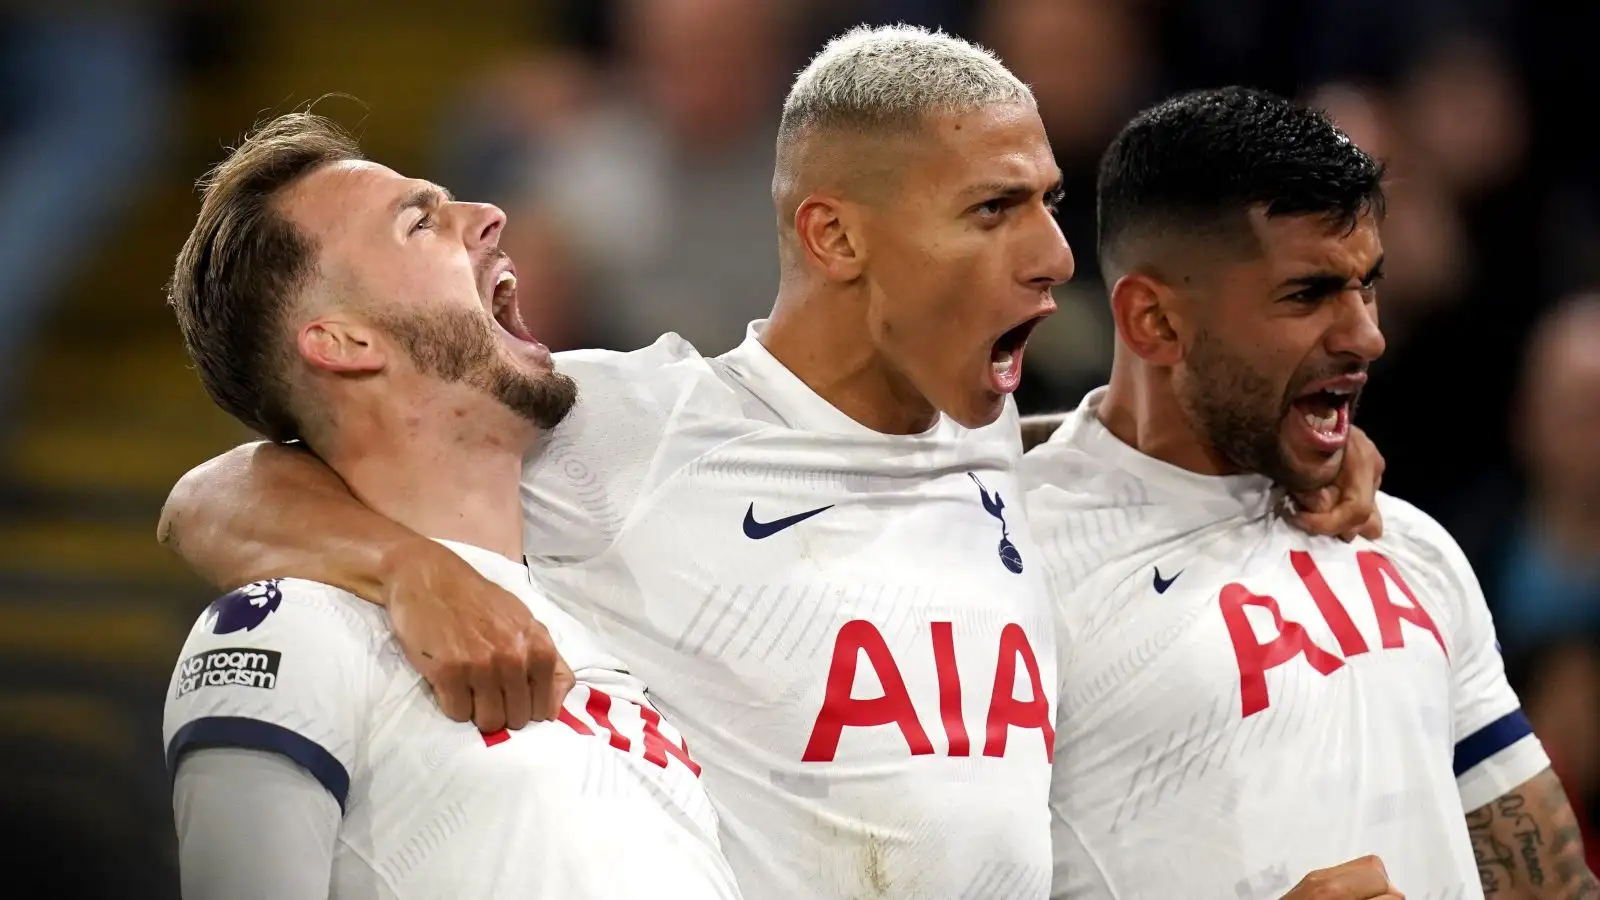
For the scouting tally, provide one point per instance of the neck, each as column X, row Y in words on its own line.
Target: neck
column 821, row 336
column 446, row 468
column 1141, row 409
column 1569, row 524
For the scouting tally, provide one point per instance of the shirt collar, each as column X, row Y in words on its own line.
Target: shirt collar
column 1085, row 431
column 753, row 367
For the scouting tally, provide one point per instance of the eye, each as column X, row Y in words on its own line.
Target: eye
column 422, row 224
column 1052, row 200
column 990, row 209
column 1369, row 288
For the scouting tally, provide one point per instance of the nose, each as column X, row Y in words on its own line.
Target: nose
column 484, row 222
column 1357, row 333
column 1052, row 259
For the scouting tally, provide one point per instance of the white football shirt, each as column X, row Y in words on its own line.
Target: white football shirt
column 849, row 627
column 1243, row 703
column 604, row 803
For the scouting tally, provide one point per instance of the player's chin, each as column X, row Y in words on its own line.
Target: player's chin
column 975, row 409
column 1308, row 464
column 980, row 398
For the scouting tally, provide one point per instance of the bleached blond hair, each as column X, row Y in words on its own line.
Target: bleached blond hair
column 891, row 77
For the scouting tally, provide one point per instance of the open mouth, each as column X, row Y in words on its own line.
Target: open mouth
column 1323, row 412
column 502, row 301
column 1005, row 356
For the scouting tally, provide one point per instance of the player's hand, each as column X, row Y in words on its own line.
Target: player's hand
column 486, row 657
column 1348, row 508
column 1359, row 879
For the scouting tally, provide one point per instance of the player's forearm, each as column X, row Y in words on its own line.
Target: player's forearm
column 1528, row 846
column 269, row 511
column 1037, row 429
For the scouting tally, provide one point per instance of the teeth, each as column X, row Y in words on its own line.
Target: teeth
column 505, row 288
column 1327, row 422
column 1002, row 362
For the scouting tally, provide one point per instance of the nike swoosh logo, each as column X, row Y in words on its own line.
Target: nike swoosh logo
column 756, row 531
column 1163, row 583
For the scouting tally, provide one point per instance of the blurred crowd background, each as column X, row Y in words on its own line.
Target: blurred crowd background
column 631, row 143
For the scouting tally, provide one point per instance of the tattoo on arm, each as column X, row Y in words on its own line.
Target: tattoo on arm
column 1496, row 866
column 1528, row 847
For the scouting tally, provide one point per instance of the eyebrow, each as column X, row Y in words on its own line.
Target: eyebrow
column 1010, row 190
column 1329, row 282
column 426, row 197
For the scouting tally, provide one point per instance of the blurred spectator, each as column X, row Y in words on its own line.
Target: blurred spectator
column 646, row 188
column 83, row 114
column 1548, row 580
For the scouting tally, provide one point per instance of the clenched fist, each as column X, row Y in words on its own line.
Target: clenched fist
column 1359, row 879
column 480, row 648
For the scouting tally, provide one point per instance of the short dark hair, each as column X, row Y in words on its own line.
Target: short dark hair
column 1201, row 161
column 244, row 262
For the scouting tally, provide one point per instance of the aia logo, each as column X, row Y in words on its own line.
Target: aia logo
column 1256, row 657
column 859, row 643
column 995, row 506
column 245, row 608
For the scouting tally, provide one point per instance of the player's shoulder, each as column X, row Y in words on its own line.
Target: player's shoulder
column 1404, row 523
column 658, row 372
column 668, row 350
column 282, row 611
column 1070, row 474
column 1407, row 529
column 638, row 392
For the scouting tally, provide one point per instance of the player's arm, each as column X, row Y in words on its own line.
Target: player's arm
column 1528, row 847
column 1524, row 834
column 267, row 510
column 252, row 825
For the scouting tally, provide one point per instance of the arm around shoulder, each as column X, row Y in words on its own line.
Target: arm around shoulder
column 265, row 510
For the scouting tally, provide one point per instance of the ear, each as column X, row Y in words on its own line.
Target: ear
column 1147, row 319
column 828, row 234
column 341, row 346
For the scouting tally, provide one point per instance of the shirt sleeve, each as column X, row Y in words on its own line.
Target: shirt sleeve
column 252, row 825
column 286, row 667
column 1495, row 747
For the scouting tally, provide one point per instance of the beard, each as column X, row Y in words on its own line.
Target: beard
column 1240, row 412
column 458, row 346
